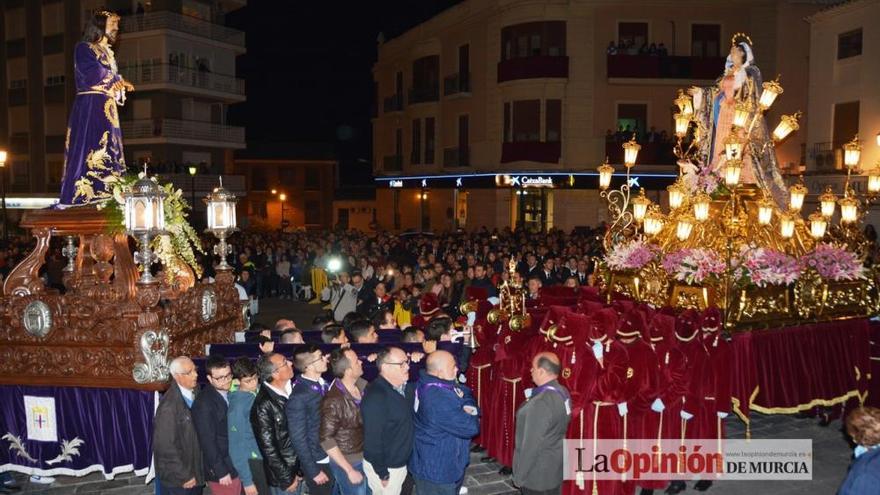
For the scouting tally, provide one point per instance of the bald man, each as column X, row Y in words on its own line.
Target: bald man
column 176, row 450
column 445, row 421
column 541, row 423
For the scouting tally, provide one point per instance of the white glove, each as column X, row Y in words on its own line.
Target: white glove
column 493, row 300
column 597, row 350
column 722, row 415
column 657, row 405
column 622, row 409
column 686, row 415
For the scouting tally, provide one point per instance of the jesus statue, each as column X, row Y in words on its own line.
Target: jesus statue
column 93, row 147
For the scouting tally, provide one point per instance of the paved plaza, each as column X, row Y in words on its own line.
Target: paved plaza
column 831, row 451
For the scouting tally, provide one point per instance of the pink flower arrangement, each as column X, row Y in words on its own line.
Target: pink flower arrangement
column 834, row 263
column 763, row 267
column 700, row 179
column 633, row 255
column 693, row 265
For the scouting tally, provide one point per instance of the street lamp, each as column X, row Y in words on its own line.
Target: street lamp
column 3, row 195
column 281, row 198
column 192, row 182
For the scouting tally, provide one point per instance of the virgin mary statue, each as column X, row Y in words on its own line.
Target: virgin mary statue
column 93, row 147
column 739, row 87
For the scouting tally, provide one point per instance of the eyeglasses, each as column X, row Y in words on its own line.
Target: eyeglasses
column 322, row 358
column 285, row 364
column 403, row 364
column 222, row 378
column 190, row 372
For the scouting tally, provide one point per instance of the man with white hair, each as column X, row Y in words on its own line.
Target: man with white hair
column 178, row 457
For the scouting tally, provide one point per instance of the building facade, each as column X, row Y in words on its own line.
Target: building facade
column 286, row 192
column 178, row 55
column 496, row 113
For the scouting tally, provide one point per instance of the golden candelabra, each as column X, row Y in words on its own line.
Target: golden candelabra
column 511, row 305
column 734, row 218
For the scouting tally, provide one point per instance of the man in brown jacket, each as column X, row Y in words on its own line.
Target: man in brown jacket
column 342, row 428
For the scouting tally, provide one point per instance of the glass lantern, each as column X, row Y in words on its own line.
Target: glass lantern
column 827, row 203
column 701, row 207
column 733, row 146
column 874, row 182
column 682, row 122
column 818, row 225
column 605, row 172
column 786, row 226
column 849, row 210
column 787, row 125
column 732, row 172
column 144, row 218
column 676, row 195
column 852, row 152
column 631, row 152
column 221, row 220
column 741, row 114
column 765, row 212
column 771, row 90
column 796, row 197
column 685, row 104
column 653, row 221
column 640, row 206
column 684, row 227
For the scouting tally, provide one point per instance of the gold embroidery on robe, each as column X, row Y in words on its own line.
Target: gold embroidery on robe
column 110, row 112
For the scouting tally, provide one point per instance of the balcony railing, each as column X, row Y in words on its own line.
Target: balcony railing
column 393, row 104
column 457, row 83
column 183, row 129
column 650, row 153
column 422, row 95
column 532, row 151
column 183, row 23
column 655, row 67
column 532, row 67
column 826, row 157
column 456, row 157
column 152, row 73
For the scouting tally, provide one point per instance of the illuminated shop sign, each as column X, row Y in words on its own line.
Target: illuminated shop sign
column 519, row 180
column 395, row 183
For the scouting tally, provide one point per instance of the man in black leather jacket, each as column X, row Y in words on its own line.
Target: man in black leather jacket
column 269, row 422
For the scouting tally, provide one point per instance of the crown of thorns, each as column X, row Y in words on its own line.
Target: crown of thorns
column 106, row 13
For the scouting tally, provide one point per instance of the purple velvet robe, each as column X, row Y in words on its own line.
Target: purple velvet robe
column 93, row 148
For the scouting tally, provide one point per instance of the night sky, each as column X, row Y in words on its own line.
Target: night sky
column 308, row 72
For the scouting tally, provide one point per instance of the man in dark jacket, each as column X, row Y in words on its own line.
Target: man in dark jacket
column 388, row 425
column 541, row 423
column 269, row 421
column 445, row 421
column 304, row 418
column 209, row 416
column 176, row 449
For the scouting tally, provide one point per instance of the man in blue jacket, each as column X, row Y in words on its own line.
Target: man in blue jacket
column 243, row 448
column 445, row 421
column 304, row 418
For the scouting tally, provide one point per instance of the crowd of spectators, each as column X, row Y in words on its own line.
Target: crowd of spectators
column 629, row 47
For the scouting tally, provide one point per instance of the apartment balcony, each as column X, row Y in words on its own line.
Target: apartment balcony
column 655, row 67
column 457, row 83
column 424, row 95
column 141, row 23
column 392, row 163
column 203, row 183
column 649, row 154
column 456, row 157
column 532, row 68
column 148, row 76
column 393, row 104
column 532, row 151
column 188, row 132
column 825, row 157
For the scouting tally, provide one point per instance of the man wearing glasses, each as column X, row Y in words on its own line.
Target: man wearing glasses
column 209, row 416
column 176, row 449
column 388, row 424
column 269, row 422
column 304, row 418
